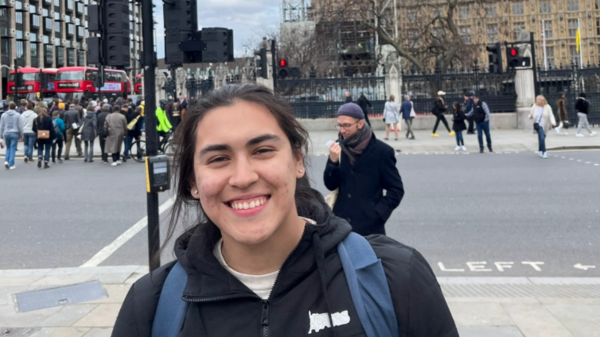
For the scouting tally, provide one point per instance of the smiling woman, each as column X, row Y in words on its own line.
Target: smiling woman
column 264, row 258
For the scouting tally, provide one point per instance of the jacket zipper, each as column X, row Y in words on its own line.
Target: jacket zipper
column 264, row 320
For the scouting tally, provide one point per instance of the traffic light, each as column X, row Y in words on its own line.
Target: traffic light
column 116, row 33
column 494, row 58
column 181, row 23
column 282, row 66
column 218, row 45
column 514, row 58
column 99, row 79
column 261, row 63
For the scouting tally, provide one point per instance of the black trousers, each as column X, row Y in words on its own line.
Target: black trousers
column 58, row 143
column 471, row 128
column 437, row 122
column 102, row 138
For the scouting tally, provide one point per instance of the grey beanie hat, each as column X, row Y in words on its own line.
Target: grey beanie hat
column 351, row 110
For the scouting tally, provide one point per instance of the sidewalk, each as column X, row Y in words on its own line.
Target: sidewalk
column 482, row 307
column 502, row 141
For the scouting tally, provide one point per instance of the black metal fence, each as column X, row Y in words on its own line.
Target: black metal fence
column 571, row 81
column 321, row 97
column 497, row 90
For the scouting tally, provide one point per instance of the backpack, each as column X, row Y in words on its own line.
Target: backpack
column 56, row 129
column 366, row 280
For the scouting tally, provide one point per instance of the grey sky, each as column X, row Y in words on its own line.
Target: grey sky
column 248, row 19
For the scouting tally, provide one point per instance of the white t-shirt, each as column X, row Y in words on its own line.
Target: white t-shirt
column 261, row 285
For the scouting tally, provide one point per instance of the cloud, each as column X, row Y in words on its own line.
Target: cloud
column 248, row 19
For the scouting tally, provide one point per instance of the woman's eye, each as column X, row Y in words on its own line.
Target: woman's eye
column 263, row 151
column 217, row 160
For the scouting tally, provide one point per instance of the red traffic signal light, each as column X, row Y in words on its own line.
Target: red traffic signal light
column 514, row 52
column 283, row 63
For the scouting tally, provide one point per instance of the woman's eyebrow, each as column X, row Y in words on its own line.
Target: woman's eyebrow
column 251, row 142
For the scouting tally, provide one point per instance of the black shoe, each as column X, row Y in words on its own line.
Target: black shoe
column 46, row 166
column 470, row 133
column 91, row 161
column 66, row 158
column 40, row 162
column 85, row 160
column 59, row 161
column 481, row 151
column 491, row 150
column 26, row 159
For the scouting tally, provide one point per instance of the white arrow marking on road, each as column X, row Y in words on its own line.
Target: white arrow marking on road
column 582, row 267
column 442, row 268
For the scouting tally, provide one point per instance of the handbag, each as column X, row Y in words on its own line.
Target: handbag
column 132, row 124
column 331, row 198
column 43, row 134
column 536, row 126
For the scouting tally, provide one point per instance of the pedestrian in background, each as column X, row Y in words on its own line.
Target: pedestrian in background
column 163, row 126
column 408, row 113
column 11, row 129
column 364, row 103
column 100, row 119
column 468, row 107
column 348, row 97
column 582, row 106
column 115, row 125
column 134, row 131
column 438, row 110
column 543, row 120
column 88, row 134
column 458, row 126
column 391, row 115
column 563, row 118
column 44, row 123
column 73, row 123
column 360, row 167
column 481, row 116
column 59, row 129
column 22, row 106
column 29, row 136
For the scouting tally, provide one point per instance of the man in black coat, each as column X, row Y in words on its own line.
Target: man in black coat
column 367, row 167
column 348, row 97
column 364, row 103
column 101, row 118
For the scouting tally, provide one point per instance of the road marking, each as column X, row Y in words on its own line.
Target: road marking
column 477, row 266
column 534, row 264
column 443, row 268
column 503, row 265
column 107, row 251
column 587, row 162
column 583, row 267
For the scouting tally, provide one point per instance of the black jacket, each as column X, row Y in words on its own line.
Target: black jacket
column 360, row 197
column 101, row 118
column 438, row 107
column 311, row 281
column 459, row 121
column 582, row 105
column 364, row 104
column 137, row 129
column 44, row 123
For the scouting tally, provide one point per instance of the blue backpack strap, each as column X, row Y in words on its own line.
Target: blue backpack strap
column 368, row 287
column 171, row 309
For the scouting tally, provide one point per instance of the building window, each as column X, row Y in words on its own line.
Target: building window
column 80, row 58
column 464, row 12
column 70, row 29
column 574, row 54
column 20, row 49
column 70, row 57
column 517, row 8
column 572, row 5
column 465, row 34
column 438, row 12
column 492, row 33
column 35, row 21
column 597, row 4
column 79, row 8
column 80, row 33
column 517, row 27
column 411, row 15
column 573, row 25
column 413, row 37
column 48, row 24
column 545, row 6
column 550, row 57
column 491, row 10
column 548, row 28
column 6, row 51
column 598, row 27
column 48, row 57
column 60, row 57
column 33, row 47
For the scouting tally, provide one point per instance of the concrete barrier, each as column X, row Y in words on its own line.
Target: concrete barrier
column 499, row 121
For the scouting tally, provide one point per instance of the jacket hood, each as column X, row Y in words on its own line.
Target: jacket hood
column 28, row 113
column 10, row 112
column 209, row 280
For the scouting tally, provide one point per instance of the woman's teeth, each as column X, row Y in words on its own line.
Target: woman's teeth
column 248, row 205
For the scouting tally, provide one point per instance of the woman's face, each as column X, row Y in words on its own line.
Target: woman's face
column 245, row 173
column 539, row 101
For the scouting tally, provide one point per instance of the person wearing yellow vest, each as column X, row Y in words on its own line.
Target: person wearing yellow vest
column 163, row 126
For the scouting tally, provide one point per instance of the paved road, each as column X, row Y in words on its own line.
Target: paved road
column 469, row 214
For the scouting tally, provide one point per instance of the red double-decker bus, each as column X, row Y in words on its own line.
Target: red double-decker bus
column 138, row 84
column 31, row 82
column 77, row 81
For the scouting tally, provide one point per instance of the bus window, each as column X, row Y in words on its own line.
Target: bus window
column 25, row 77
column 73, row 75
column 90, row 75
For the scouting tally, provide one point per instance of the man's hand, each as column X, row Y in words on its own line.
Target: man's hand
column 335, row 150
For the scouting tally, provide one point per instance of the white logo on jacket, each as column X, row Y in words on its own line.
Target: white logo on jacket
column 319, row 322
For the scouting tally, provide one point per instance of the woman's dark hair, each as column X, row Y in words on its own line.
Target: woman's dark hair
column 456, row 106
column 185, row 140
